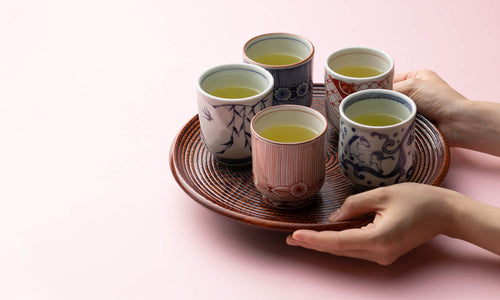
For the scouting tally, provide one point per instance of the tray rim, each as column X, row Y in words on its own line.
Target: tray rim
column 278, row 225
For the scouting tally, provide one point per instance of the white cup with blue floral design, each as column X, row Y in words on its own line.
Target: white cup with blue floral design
column 228, row 98
column 289, row 57
column 377, row 137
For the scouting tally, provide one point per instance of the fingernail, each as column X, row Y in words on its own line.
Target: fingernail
column 291, row 241
column 297, row 237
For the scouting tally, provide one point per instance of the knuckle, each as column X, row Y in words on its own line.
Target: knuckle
column 412, row 81
column 382, row 193
column 430, row 72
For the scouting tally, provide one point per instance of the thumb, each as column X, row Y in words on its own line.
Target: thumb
column 357, row 205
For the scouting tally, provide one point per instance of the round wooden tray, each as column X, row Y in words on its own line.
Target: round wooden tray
column 229, row 191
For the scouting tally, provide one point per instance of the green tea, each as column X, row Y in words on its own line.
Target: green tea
column 358, row 71
column 234, row 92
column 277, row 59
column 376, row 119
column 288, row 133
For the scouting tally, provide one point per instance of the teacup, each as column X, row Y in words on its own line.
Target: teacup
column 354, row 69
column 229, row 96
column 289, row 58
column 288, row 154
column 376, row 138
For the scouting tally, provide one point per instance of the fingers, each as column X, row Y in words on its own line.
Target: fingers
column 405, row 86
column 407, row 83
column 351, row 243
column 381, row 241
column 420, row 74
column 327, row 241
column 359, row 204
column 398, row 77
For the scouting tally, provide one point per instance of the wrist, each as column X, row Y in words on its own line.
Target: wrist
column 475, row 222
column 456, row 213
column 454, row 124
column 475, row 126
column 445, row 213
column 464, row 216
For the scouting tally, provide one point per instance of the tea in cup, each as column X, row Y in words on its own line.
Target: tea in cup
column 228, row 98
column 376, row 138
column 354, row 69
column 288, row 154
column 289, row 58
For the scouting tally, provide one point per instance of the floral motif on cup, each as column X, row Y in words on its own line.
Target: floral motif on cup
column 282, row 94
column 295, row 191
column 299, row 189
column 293, row 92
column 302, row 89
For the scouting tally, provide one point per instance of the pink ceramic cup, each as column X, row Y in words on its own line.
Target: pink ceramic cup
column 288, row 174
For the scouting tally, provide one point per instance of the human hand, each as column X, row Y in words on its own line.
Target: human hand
column 435, row 99
column 469, row 124
column 406, row 216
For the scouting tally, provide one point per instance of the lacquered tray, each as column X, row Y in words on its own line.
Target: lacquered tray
column 229, row 191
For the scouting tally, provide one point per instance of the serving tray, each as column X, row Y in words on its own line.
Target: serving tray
column 230, row 191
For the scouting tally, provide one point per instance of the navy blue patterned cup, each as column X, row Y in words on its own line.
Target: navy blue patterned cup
column 289, row 58
column 377, row 137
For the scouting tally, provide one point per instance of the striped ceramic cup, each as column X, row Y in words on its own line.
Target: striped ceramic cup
column 288, row 154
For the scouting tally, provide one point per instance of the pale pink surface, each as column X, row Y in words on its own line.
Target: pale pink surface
column 92, row 94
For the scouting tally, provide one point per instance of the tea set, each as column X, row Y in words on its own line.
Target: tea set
column 272, row 91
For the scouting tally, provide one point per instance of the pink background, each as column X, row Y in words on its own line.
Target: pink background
column 92, row 94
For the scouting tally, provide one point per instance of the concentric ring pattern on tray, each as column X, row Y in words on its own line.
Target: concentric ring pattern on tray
column 230, row 191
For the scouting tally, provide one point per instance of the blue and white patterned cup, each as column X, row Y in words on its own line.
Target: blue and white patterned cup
column 292, row 81
column 225, row 122
column 372, row 156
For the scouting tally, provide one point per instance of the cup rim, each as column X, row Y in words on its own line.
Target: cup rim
column 289, row 106
column 249, row 67
column 348, row 50
column 378, row 91
column 307, row 41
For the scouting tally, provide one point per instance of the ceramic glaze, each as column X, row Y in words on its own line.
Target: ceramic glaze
column 225, row 123
column 293, row 83
column 338, row 86
column 289, row 174
column 372, row 156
